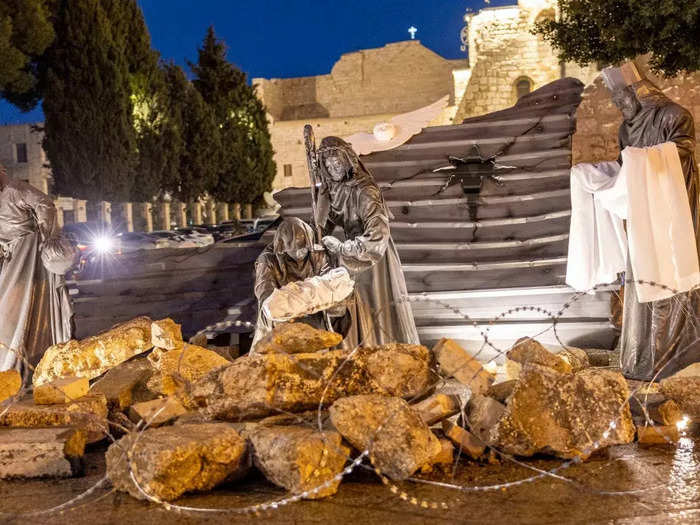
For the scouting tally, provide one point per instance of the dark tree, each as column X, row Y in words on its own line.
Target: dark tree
column 246, row 168
column 90, row 139
column 611, row 31
column 25, row 33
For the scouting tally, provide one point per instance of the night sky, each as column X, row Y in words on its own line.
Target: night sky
column 290, row 38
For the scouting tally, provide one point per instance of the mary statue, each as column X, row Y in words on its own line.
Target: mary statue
column 350, row 199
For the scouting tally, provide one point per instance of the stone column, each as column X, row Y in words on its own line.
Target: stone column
column 105, row 214
column 128, row 215
column 197, row 212
column 146, row 210
column 79, row 210
column 237, row 211
column 165, row 215
column 181, row 214
column 59, row 213
column 247, row 211
column 211, row 211
column 223, row 212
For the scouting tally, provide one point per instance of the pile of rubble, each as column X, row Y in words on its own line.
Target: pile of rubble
column 185, row 418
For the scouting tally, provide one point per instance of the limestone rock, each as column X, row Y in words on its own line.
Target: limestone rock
column 264, row 384
column 10, row 384
column 483, row 414
column 399, row 441
column 443, row 459
column 465, row 441
column 667, row 413
column 185, row 365
column 455, row 361
column 124, row 384
column 689, row 371
column 166, row 334
column 502, row 391
column 527, row 350
column 95, row 355
column 564, row 414
column 157, row 411
column 296, row 338
column 575, row 357
column 88, row 413
column 41, row 452
column 59, row 391
column 658, row 435
column 436, row 408
column 685, row 391
column 169, row 461
column 300, row 459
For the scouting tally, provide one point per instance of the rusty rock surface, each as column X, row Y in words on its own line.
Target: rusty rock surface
column 685, row 391
column 527, row 350
column 181, row 366
column 10, row 383
column 296, row 338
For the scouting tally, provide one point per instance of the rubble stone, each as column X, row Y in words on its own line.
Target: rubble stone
column 443, row 459
column 465, row 441
column 185, row 365
column 436, row 408
column 689, row 371
column 169, row 461
column 502, row 391
column 300, row 459
column 41, row 452
column 483, row 414
column 166, row 334
column 157, row 411
column 564, row 414
column 124, row 384
column 575, row 357
column 685, row 391
column 657, row 434
column 527, row 350
column 59, row 391
column 398, row 440
column 296, row 338
column 456, row 362
column 88, row 413
column 95, row 355
column 10, row 384
column 260, row 385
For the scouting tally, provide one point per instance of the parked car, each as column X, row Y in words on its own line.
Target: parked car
column 174, row 239
column 200, row 236
column 93, row 239
column 259, row 223
column 133, row 241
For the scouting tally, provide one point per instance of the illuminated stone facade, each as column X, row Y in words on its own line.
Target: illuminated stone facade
column 23, row 156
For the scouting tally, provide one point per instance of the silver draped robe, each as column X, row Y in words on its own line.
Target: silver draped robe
column 34, row 308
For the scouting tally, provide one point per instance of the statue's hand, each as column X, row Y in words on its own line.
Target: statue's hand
column 332, row 244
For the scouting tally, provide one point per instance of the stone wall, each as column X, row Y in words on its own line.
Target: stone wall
column 33, row 170
column 597, row 119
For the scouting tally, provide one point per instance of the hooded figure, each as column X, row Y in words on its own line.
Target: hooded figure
column 34, row 308
column 349, row 198
column 662, row 336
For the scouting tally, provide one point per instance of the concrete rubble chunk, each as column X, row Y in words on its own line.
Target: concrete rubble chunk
column 564, row 414
column 95, row 355
column 41, row 452
column 157, row 411
column 527, row 350
column 685, row 391
column 10, row 384
column 124, row 384
column 483, row 414
column 59, row 391
column 296, row 338
column 436, row 408
column 264, row 384
column 398, row 440
column 300, row 459
column 88, row 413
column 502, row 391
column 658, row 435
column 170, row 461
column 464, row 441
column 185, row 365
column 689, row 371
column 443, row 459
column 667, row 413
column 575, row 357
column 166, row 334
column 456, row 362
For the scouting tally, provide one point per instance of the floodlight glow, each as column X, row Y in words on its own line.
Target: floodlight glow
column 103, row 244
column 683, row 423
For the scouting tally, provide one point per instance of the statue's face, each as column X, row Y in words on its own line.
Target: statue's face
column 626, row 102
column 336, row 165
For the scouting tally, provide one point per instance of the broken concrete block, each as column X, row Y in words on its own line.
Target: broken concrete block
column 443, row 459
column 95, row 355
column 436, row 408
column 59, row 391
column 527, row 350
column 264, row 384
column 502, row 391
column 657, row 435
column 666, row 413
column 465, row 441
column 398, row 440
column 564, row 414
column 296, row 338
column 184, row 365
column 88, row 413
column 483, row 414
column 41, row 452
column 166, row 334
column 575, row 357
column 10, row 384
column 300, row 459
column 157, row 412
column 170, row 461
column 124, row 384
column 456, row 362
column 685, row 391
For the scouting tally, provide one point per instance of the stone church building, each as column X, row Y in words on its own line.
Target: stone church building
column 366, row 87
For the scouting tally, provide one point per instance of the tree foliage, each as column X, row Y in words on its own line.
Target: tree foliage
column 611, row 31
column 25, row 33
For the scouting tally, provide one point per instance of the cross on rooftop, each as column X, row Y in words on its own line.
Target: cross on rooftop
column 413, row 31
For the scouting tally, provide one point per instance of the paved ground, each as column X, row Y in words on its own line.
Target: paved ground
column 626, row 484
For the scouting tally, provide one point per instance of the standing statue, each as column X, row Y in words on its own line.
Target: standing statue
column 661, row 335
column 34, row 308
column 349, row 198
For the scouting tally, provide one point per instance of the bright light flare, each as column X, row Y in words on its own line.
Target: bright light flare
column 103, row 244
column 683, row 424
